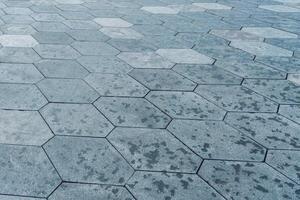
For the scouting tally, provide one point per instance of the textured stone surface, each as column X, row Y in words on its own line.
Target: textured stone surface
column 131, row 99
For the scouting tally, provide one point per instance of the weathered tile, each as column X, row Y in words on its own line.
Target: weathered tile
column 87, row 160
column 187, row 56
column 261, row 49
column 21, row 97
column 81, row 24
column 185, row 105
column 19, row 73
column 61, row 69
column 212, row 6
column 245, row 180
column 216, row 140
column 287, row 162
column 88, row 35
column 160, row 186
column 153, row 29
column 94, row 48
column 18, row 55
column 70, row 191
column 112, row 22
column 17, row 29
column 160, row 10
column 76, row 119
column 280, row 91
column 9, row 197
column 291, row 112
column 132, row 45
column 116, row 85
column 162, row 79
column 145, row 60
column 104, row 64
column 295, row 78
column 271, row 130
column 286, row 64
column 132, row 112
column 269, row 32
column 23, row 127
column 155, row 150
column 207, row 74
column 67, row 90
column 17, row 41
column 122, row 33
column 247, row 68
column 56, row 51
column 279, row 8
column 50, row 26
column 52, row 38
column 233, row 35
column 26, row 171
column 47, row 17
column 236, row 98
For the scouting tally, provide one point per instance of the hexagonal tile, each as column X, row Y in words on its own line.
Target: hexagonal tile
column 18, row 55
column 94, row 48
column 52, row 38
column 216, row 140
column 56, row 51
column 185, row 105
column 17, row 41
column 236, row 98
column 212, row 6
column 247, row 68
column 87, row 160
column 160, row 10
column 295, row 78
column 26, row 171
column 116, row 85
column 50, row 26
column 207, row 74
column 232, row 35
column 122, row 33
column 81, row 24
column 17, row 29
column 287, row 64
column 47, row 17
column 162, row 79
column 271, row 130
column 261, row 48
column 145, row 60
column 104, row 64
column 76, row 119
column 61, row 69
column 67, row 90
column 268, row 32
column 9, row 197
column 160, row 186
column 187, row 56
column 19, row 73
column 281, row 91
column 23, row 127
column 21, row 97
column 155, row 150
column 279, row 8
column 291, row 112
column 88, row 35
column 112, row 22
column 70, row 191
column 133, row 112
column 244, row 180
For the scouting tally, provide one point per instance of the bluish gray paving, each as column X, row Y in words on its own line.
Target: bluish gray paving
column 149, row 100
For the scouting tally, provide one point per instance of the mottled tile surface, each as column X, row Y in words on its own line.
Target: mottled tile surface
column 142, row 100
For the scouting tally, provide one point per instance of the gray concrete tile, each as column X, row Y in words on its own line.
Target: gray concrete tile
column 26, row 171
column 94, row 48
column 34, row 129
column 21, row 97
column 281, row 91
column 116, row 85
column 19, row 73
column 87, row 160
column 147, row 185
column 53, row 38
column 162, row 79
column 236, row 180
column 67, row 90
column 185, row 105
column 269, row 32
column 121, row 33
column 291, row 112
column 207, row 74
column 18, row 55
column 76, row 120
column 236, row 98
column 155, row 150
column 216, row 140
column 70, row 191
column 271, row 130
column 57, row 51
column 132, row 112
